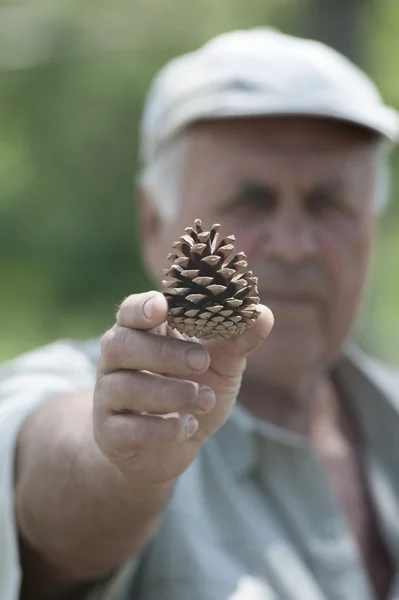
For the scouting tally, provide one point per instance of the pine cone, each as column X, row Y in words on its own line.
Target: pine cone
column 209, row 296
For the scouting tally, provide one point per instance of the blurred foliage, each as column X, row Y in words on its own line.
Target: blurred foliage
column 73, row 78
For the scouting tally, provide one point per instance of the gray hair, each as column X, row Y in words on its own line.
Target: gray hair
column 162, row 177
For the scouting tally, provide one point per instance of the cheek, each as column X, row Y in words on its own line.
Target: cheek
column 346, row 258
column 247, row 236
column 345, row 255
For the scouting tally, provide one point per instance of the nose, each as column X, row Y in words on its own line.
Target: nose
column 289, row 237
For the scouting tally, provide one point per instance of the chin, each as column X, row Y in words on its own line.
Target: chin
column 286, row 359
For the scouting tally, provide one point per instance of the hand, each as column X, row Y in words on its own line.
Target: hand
column 160, row 395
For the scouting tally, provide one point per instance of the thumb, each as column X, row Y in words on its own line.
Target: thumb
column 228, row 357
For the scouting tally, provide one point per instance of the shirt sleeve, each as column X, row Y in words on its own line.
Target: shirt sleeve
column 25, row 383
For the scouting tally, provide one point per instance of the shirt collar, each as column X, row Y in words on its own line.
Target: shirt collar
column 357, row 374
column 240, row 437
column 372, row 388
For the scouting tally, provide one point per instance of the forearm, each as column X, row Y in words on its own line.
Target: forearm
column 78, row 516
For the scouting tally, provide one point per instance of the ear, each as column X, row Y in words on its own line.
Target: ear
column 149, row 219
column 150, row 229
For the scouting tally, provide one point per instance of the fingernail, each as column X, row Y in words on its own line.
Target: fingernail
column 206, row 399
column 147, row 308
column 196, row 359
column 192, row 425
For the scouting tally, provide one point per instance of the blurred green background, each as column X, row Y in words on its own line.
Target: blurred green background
column 73, row 77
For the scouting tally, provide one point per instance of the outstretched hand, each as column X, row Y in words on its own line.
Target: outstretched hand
column 160, row 395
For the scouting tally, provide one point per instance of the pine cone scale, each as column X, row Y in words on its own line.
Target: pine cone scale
column 209, row 295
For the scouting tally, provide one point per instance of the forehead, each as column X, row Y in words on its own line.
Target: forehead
column 297, row 140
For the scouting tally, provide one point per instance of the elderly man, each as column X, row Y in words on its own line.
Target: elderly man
column 138, row 478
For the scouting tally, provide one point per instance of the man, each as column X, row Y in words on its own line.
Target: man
column 294, row 492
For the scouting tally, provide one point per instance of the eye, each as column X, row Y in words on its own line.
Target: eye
column 256, row 203
column 324, row 203
column 252, row 201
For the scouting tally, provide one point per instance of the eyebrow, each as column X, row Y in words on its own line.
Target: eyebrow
column 250, row 189
column 330, row 186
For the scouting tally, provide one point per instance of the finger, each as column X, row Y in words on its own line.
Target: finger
column 124, row 437
column 228, row 356
column 143, row 311
column 124, row 348
column 124, row 391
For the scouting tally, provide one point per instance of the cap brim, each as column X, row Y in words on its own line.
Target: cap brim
column 382, row 120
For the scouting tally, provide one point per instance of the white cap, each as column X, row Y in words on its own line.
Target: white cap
column 260, row 72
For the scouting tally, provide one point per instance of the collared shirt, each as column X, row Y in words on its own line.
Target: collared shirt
column 26, row 382
column 255, row 518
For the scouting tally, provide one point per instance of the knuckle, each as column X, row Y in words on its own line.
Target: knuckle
column 118, row 438
column 122, row 337
column 163, row 350
column 118, row 393
column 170, row 355
column 174, row 428
column 188, row 390
column 113, row 342
column 98, row 396
column 97, row 429
column 108, row 342
column 108, row 390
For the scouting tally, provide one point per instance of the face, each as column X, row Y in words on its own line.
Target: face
column 298, row 196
